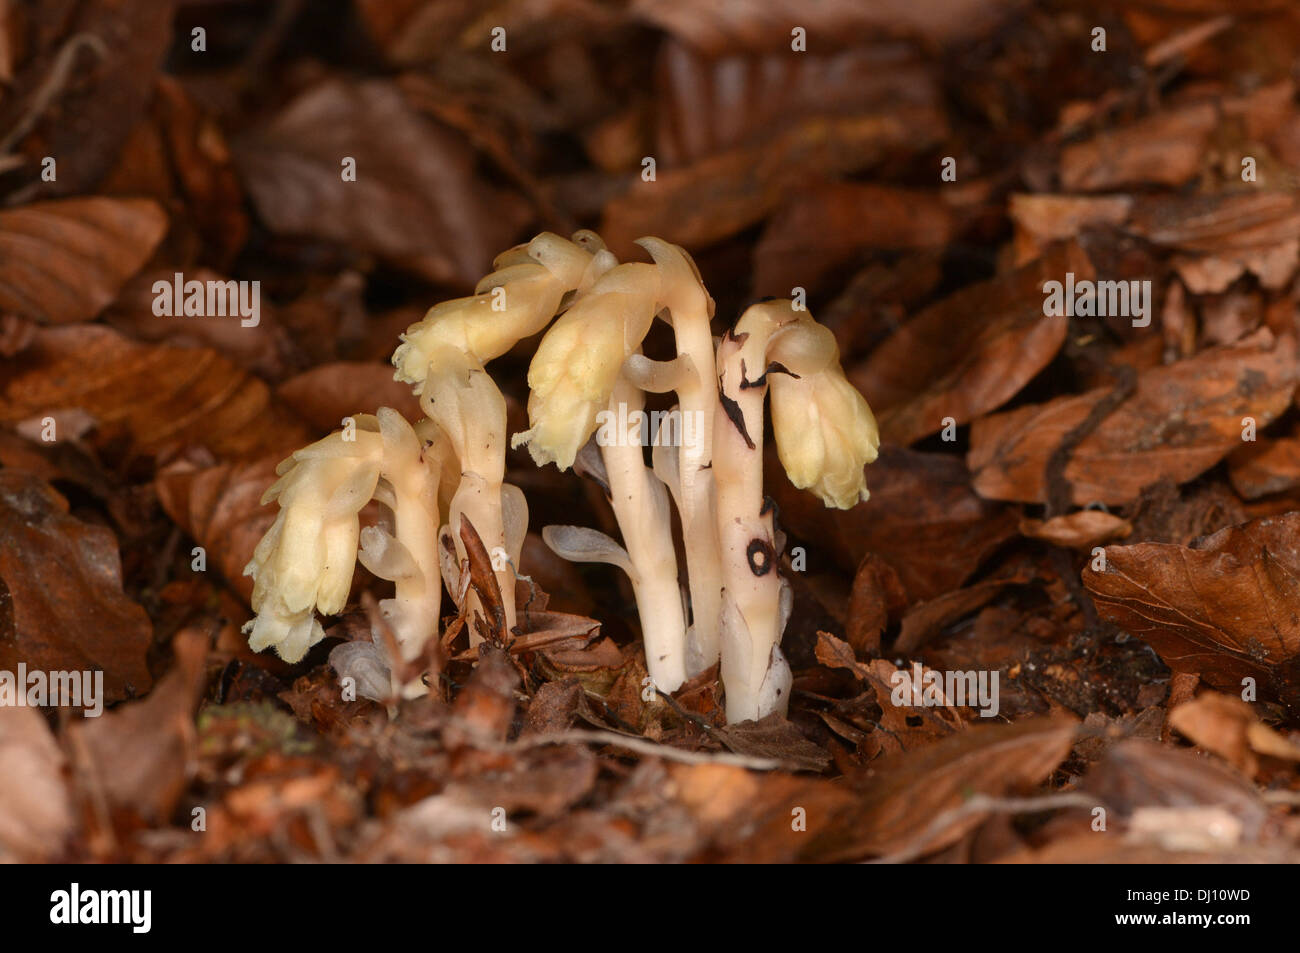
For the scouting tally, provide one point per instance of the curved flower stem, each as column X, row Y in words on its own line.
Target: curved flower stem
column 690, row 309
column 462, row 399
column 699, row 404
column 750, row 620
column 414, row 476
column 640, row 504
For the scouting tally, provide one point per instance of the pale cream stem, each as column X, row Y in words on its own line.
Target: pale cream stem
column 413, row 472
column 750, row 617
column 463, row 401
column 690, row 309
column 641, row 507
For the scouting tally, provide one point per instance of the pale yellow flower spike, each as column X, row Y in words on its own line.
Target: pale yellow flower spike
column 514, row 302
column 825, row 436
column 579, row 359
column 453, row 463
column 825, row 431
column 305, row 562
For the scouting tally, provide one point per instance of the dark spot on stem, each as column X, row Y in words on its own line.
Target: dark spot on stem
column 760, row 556
column 776, row 367
column 769, row 506
column 736, row 416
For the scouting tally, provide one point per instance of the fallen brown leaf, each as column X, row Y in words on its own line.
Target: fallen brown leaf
column 776, row 738
column 1229, row 727
column 327, row 393
column 818, row 230
column 141, row 756
column 926, row 619
column 910, row 791
column 761, row 24
column 220, row 508
column 94, row 111
column 62, row 579
column 1167, row 149
column 415, row 200
column 877, row 597
column 156, row 396
column 264, row 349
column 543, row 781
column 1267, row 467
column 1136, row 775
column 65, row 261
column 1080, row 530
column 967, row 354
column 36, row 815
column 1224, row 608
column 718, row 196
column 1042, row 220
column 1183, row 419
column 1215, row 223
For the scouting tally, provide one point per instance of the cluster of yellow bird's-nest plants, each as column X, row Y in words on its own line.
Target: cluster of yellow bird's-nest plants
column 449, row 467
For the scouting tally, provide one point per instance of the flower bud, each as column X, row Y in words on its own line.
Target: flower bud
column 825, row 434
column 305, row 561
column 578, row 361
column 514, row 302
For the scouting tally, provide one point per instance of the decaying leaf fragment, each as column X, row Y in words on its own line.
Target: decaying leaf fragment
column 1226, row 607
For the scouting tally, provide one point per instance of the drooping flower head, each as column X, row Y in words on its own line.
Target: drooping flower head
column 578, row 361
column 514, row 302
column 825, row 431
column 304, row 563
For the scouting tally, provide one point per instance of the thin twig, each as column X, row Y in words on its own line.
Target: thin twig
column 648, row 748
column 53, row 85
column 1185, row 40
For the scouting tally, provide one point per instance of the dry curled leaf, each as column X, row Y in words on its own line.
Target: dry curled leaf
column 926, row 619
column 414, row 199
column 143, row 754
column 1227, row 607
column 967, row 354
column 908, row 792
column 155, row 396
column 1081, row 530
column 62, row 581
column 1183, row 419
column 1230, row 728
column 877, row 597
column 220, row 508
column 65, row 261
column 36, row 812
